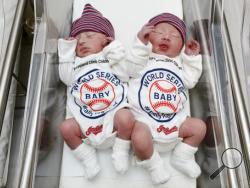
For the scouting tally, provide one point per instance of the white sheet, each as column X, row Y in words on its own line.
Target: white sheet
column 127, row 18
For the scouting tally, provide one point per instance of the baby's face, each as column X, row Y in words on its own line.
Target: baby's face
column 166, row 40
column 90, row 43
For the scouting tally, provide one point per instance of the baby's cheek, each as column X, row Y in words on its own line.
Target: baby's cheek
column 77, row 51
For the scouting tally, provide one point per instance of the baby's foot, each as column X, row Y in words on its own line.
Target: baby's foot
column 159, row 175
column 120, row 161
column 87, row 156
column 120, row 156
column 187, row 167
column 183, row 160
column 92, row 169
column 156, row 168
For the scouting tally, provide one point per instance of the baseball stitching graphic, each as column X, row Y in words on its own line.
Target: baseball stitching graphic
column 98, row 94
column 163, row 97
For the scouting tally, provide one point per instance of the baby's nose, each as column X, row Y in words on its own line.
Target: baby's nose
column 166, row 36
column 82, row 40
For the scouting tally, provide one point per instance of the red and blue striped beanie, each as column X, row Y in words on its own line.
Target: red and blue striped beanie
column 171, row 19
column 92, row 20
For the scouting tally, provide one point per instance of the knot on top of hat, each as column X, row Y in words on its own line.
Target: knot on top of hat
column 92, row 20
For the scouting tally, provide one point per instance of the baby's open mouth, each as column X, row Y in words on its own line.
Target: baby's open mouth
column 163, row 47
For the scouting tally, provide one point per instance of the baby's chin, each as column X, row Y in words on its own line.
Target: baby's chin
column 83, row 54
column 86, row 53
column 165, row 52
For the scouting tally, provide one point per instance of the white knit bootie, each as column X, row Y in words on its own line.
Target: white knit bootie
column 120, row 155
column 184, row 161
column 155, row 166
column 87, row 156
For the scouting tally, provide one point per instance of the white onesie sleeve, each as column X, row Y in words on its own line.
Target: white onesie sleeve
column 66, row 53
column 115, row 53
column 137, row 58
column 192, row 69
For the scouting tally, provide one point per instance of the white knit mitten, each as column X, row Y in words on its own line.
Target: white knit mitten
column 155, row 166
column 183, row 160
column 120, row 155
column 87, row 156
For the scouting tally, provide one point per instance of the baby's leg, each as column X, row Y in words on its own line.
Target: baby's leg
column 72, row 134
column 192, row 131
column 148, row 158
column 123, row 124
column 142, row 142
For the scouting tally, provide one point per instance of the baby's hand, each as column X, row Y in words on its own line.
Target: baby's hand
column 192, row 47
column 115, row 51
column 143, row 34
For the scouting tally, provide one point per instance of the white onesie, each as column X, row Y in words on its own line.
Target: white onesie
column 158, row 89
column 95, row 88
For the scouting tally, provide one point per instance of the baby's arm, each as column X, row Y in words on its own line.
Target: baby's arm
column 115, row 53
column 139, row 52
column 143, row 34
column 192, row 63
column 66, row 53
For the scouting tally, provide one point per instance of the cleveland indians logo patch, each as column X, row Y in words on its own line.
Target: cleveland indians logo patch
column 97, row 92
column 161, row 94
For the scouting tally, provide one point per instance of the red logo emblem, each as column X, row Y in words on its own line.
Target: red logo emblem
column 166, row 130
column 94, row 130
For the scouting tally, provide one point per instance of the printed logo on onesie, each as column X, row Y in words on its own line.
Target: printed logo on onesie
column 161, row 94
column 97, row 92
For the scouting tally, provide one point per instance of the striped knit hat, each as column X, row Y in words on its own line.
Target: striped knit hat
column 92, row 20
column 171, row 19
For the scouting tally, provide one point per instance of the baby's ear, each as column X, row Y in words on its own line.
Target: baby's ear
column 109, row 40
